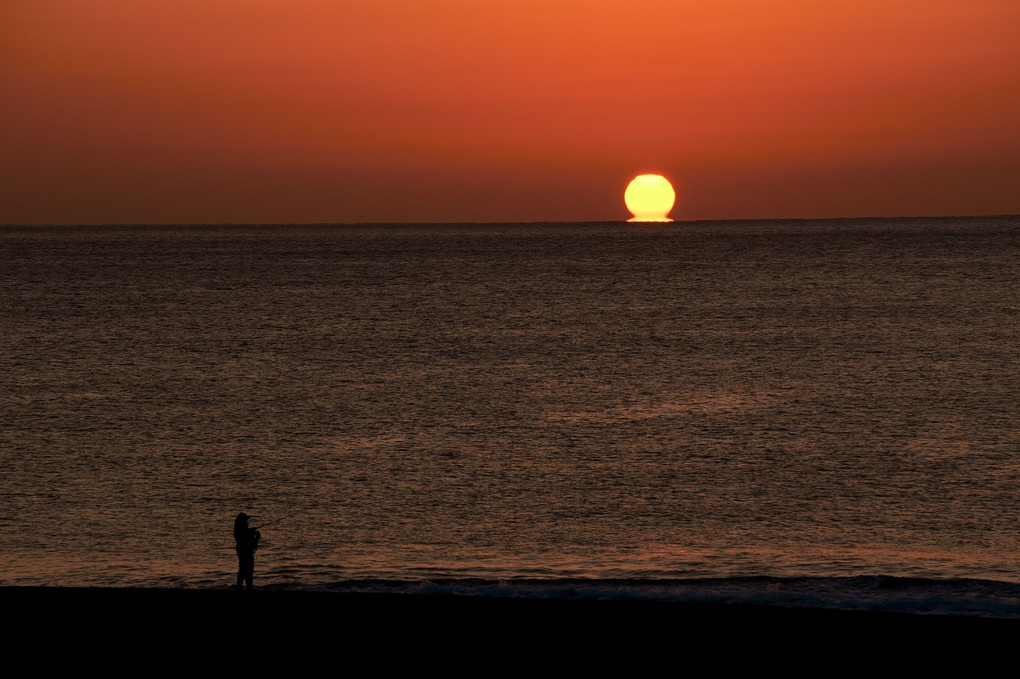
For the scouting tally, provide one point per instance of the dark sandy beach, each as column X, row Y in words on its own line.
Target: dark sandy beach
column 402, row 631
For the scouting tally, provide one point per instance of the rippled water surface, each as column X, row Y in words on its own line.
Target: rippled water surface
column 830, row 398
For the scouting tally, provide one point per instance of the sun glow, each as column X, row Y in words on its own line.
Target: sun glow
column 649, row 197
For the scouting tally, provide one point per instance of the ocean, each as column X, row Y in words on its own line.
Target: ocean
column 816, row 412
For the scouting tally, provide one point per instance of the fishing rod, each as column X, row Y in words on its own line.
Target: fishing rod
column 278, row 520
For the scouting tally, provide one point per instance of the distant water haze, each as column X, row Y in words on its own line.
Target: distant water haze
column 606, row 400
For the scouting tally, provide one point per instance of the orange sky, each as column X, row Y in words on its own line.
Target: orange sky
column 505, row 110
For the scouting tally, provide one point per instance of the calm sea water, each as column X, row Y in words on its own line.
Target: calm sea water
column 819, row 399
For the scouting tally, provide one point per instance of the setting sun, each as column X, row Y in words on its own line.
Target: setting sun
column 649, row 197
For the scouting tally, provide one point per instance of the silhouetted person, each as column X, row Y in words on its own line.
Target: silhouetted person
column 247, row 540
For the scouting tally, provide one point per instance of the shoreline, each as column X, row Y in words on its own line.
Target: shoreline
column 299, row 632
column 292, row 611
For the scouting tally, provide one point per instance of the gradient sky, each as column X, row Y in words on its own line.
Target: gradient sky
column 155, row 111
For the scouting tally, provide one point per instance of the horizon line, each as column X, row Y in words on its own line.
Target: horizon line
column 513, row 222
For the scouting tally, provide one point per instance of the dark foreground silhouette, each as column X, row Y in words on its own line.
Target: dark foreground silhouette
column 247, row 540
column 460, row 634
